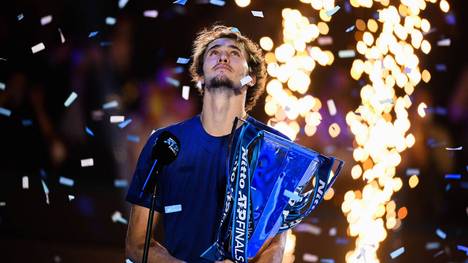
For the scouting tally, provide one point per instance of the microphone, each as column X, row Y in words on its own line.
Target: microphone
column 164, row 151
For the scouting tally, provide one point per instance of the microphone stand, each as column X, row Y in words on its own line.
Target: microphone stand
column 149, row 224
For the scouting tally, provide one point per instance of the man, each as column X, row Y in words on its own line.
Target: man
column 190, row 191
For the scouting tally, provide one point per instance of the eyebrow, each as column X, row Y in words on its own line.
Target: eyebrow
column 218, row 45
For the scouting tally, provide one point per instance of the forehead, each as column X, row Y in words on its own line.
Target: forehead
column 224, row 41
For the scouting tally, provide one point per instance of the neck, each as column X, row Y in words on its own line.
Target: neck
column 220, row 108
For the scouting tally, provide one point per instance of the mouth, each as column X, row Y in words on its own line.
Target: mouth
column 225, row 67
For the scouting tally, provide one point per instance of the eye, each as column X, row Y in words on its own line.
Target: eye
column 213, row 52
column 235, row 53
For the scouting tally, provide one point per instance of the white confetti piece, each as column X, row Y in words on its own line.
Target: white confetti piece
column 454, row 148
column 25, row 182
column 110, row 21
column 93, row 34
column 346, row 53
column 70, row 99
column 235, row 30
column 217, row 2
column 246, row 80
column 291, row 195
column 308, row 228
column 172, row 208
column 309, row 257
column 110, row 105
column 332, row 231
column 2, row 203
column 397, row 253
column 125, row 123
column 2, row 86
column 87, row 162
column 66, row 181
column 332, row 11
column 71, row 197
column 150, row 13
column 19, row 17
column 117, row 217
column 432, row 245
column 324, row 41
column 5, row 112
column 257, row 13
column 46, row 191
column 441, row 233
column 444, row 42
column 62, row 38
column 183, row 60
column 185, row 92
column 37, row 48
column 412, row 171
column 117, row 118
column 46, row 20
column 172, row 81
column 331, row 107
column 122, row 3
column 349, row 29
column 120, row 183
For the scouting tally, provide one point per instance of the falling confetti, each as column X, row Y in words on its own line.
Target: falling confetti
column 66, row 181
column 46, row 20
column 331, row 107
column 180, row 2
column 453, row 176
column 122, row 3
column 71, row 98
column 37, row 48
column 172, row 81
column 2, row 86
column 444, row 42
column 217, row 2
column 397, row 252
column 172, row 209
column 62, row 38
column 46, row 191
column 110, row 21
column 454, row 148
column 150, row 13
column 89, row 131
column 5, row 112
column 120, row 183
column 93, row 34
column 346, row 53
column 25, row 182
column 246, row 80
column 441, row 233
column 26, row 122
column 117, row 217
column 87, row 162
column 332, row 11
column 125, row 123
column 183, row 60
column 257, row 13
column 110, row 105
column 349, row 29
column 116, row 118
column 133, row 138
column 185, row 92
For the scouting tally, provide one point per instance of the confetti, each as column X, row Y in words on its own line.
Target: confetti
column 463, row 248
column 292, row 195
column 346, row 53
column 438, row 253
column 179, row 70
column 37, row 48
column 180, row 2
column 87, row 162
column 117, row 217
column 308, row 228
column 332, row 231
column 185, row 92
column 2, row 203
column 46, row 191
column 150, row 13
column 349, row 29
column 122, row 3
column 183, row 60
column 110, row 105
column 70, row 99
column 62, row 38
column 110, row 21
column 450, row 19
column 341, row 241
column 217, row 2
column 327, row 260
column 105, row 43
column 453, row 176
column 71, row 197
column 66, row 181
column 172, row 81
column 5, row 112
column 441, row 67
column 117, row 118
column 133, row 138
column 309, row 257
column 172, row 209
column 235, row 30
column 412, row 171
column 120, row 183
column 93, row 34
column 257, row 13
column 25, row 181
column 246, row 80
column 89, row 131
column 324, row 41
column 2, row 86
column 441, row 233
column 332, row 11
column 397, row 252
column 124, row 123
column 331, row 107
column 432, row 245
column 19, row 17
column 444, row 42
column 454, row 148
column 46, row 20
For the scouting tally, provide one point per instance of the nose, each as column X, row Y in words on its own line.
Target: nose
column 223, row 57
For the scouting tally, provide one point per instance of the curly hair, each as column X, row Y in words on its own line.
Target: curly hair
column 255, row 60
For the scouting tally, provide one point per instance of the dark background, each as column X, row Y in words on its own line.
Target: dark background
column 130, row 61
